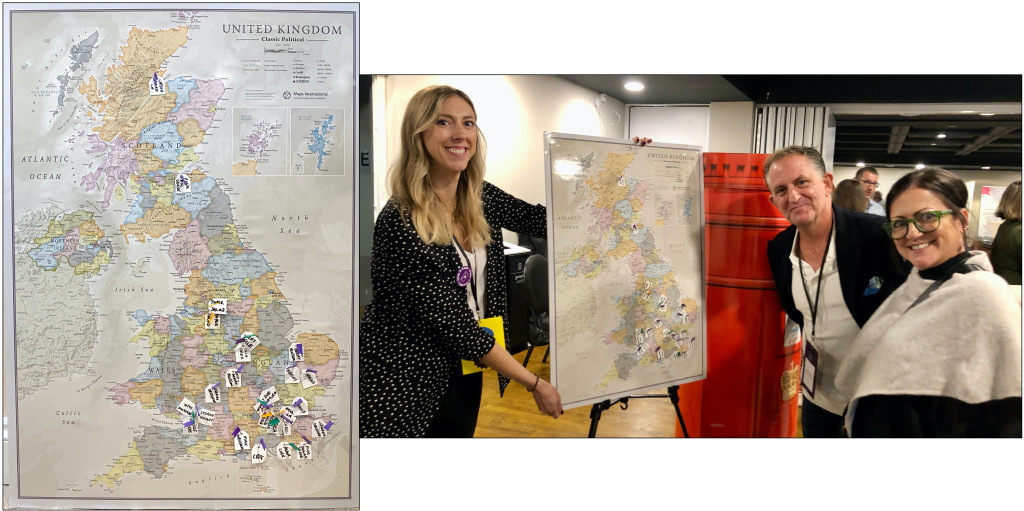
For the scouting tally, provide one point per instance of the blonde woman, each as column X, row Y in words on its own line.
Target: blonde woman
column 437, row 268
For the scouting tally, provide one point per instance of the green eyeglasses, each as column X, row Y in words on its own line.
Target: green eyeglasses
column 926, row 221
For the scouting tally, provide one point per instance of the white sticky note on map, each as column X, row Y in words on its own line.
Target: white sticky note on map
column 309, row 378
column 205, row 417
column 241, row 441
column 186, row 407
column 284, row 451
column 258, row 454
column 269, row 395
column 212, row 394
column 305, row 451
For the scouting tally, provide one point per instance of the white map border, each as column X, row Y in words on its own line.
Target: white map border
column 549, row 137
column 10, row 453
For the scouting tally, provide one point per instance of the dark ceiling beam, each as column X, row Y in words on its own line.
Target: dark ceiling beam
column 984, row 140
column 879, row 88
column 941, row 159
column 899, row 134
column 936, row 125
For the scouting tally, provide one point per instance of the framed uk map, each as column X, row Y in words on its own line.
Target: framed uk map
column 178, row 255
column 626, row 272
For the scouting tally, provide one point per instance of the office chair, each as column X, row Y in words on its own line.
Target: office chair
column 536, row 245
column 536, row 276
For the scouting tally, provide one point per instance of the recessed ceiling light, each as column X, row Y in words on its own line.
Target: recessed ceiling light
column 987, row 114
column 634, row 86
column 919, row 166
column 860, row 164
column 933, row 143
column 968, row 111
column 941, row 135
column 985, row 168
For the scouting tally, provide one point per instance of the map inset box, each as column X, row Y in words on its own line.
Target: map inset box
column 317, row 136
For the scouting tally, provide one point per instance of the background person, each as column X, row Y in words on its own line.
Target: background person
column 832, row 269
column 437, row 267
column 1006, row 254
column 941, row 357
column 849, row 194
column 869, row 177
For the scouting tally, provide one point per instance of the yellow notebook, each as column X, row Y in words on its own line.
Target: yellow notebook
column 497, row 327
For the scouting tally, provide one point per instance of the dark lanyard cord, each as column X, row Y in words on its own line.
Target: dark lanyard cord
column 472, row 279
column 821, row 274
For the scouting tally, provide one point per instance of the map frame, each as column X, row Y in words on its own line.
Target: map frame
column 552, row 242
column 348, row 142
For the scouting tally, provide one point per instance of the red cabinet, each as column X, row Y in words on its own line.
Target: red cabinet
column 752, row 378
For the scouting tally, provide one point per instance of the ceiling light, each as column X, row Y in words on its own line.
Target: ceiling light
column 919, row 166
column 968, row 111
column 860, row 164
column 941, row 135
column 634, row 86
column 985, row 168
column 987, row 114
column 933, row 143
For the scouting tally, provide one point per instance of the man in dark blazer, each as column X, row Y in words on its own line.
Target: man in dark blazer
column 832, row 269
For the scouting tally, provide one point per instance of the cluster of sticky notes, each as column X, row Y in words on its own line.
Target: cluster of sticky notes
column 216, row 308
column 194, row 416
column 277, row 422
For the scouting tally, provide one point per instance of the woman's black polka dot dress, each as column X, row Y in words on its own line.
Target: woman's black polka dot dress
column 419, row 327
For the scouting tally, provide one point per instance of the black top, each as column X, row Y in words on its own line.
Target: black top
column 418, row 327
column 863, row 251
column 901, row 416
column 1006, row 251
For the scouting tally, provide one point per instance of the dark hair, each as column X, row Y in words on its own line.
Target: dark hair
column 946, row 185
column 862, row 170
column 849, row 194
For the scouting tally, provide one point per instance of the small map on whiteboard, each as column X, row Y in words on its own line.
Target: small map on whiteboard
column 626, row 269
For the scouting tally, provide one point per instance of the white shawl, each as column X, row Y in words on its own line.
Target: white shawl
column 963, row 341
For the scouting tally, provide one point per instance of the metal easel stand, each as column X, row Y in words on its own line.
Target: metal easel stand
column 598, row 408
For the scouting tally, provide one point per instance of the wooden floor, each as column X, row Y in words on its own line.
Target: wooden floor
column 516, row 415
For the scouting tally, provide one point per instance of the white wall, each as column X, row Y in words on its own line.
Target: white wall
column 731, row 127
column 888, row 176
column 726, row 127
column 670, row 124
column 513, row 112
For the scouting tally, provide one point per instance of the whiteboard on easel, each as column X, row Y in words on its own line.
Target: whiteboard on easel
column 625, row 239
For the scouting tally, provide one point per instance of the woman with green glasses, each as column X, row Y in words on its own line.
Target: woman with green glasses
column 941, row 357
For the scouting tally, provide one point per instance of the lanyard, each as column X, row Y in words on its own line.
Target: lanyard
column 821, row 274
column 472, row 278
